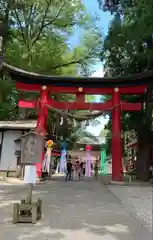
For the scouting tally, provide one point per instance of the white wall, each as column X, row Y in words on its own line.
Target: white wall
column 8, row 159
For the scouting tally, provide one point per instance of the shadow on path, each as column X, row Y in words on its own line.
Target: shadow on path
column 75, row 210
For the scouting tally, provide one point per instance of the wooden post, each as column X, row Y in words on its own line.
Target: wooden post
column 29, row 196
column 15, row 212
column 31, row 148
column 42, row 122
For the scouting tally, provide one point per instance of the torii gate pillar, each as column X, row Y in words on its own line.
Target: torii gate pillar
column 116, row 137
column 42, row 122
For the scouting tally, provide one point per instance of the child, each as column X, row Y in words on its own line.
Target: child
column 68, row 171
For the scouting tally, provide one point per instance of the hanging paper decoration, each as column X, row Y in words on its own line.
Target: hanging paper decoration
column 57, row 168
column 50, row 143
column 88, row 170
column 63, row 158
column 57, row 154
column 47, row 159
column 103, row 162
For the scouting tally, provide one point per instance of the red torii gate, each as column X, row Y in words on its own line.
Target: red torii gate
column 115, row 104
column 31, row 82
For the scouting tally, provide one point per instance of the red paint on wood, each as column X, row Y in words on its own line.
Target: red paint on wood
column 41, row 123
column 116, row 139
column 27, row 104
column 73, row 90
column 93, row 106
column 55, row 89
column 81, row 105
column 28, row 87
column 131, row 106
column 80, row 97
column 133, row 90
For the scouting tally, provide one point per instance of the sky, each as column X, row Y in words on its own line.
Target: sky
column 105, row 18
column 95, row 130
column 92, row 7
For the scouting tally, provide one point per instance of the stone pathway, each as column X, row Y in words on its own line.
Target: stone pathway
column 83, row 210
column 138, row 200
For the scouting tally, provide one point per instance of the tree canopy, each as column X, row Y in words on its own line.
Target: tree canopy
column 127, row 50
column 128, row 45
column 38, row 38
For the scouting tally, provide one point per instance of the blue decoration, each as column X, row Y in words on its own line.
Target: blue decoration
column 63, row 145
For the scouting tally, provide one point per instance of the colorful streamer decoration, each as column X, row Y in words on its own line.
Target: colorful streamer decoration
column 62, row 167
column 88, row 170
column 47, row 159
column 103, row 162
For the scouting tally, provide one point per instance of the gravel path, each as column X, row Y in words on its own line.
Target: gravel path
column 83, row 210
column 138, row 200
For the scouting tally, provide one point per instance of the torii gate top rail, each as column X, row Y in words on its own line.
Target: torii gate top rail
column 22, row 76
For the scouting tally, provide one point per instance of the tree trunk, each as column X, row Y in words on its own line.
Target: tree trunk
column 4, row 32
column 143, row 158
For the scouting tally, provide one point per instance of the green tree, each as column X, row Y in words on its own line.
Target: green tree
column 39, row 34
column 115, row 6
column 128, row 50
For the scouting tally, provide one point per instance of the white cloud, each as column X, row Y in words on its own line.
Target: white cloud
column 99, row 72
column 97, row 129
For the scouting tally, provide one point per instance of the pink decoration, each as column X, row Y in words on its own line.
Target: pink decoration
column 88, row 147
column 88, row 171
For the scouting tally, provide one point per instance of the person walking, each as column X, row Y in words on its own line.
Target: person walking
column 81, row 168
column 84, row 169
column 77, row 170
column 74, row 172
column 68, row 171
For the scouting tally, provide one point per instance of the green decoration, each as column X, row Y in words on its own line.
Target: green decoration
column 103, row 162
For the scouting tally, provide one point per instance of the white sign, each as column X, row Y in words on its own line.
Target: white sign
column 30, row 174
